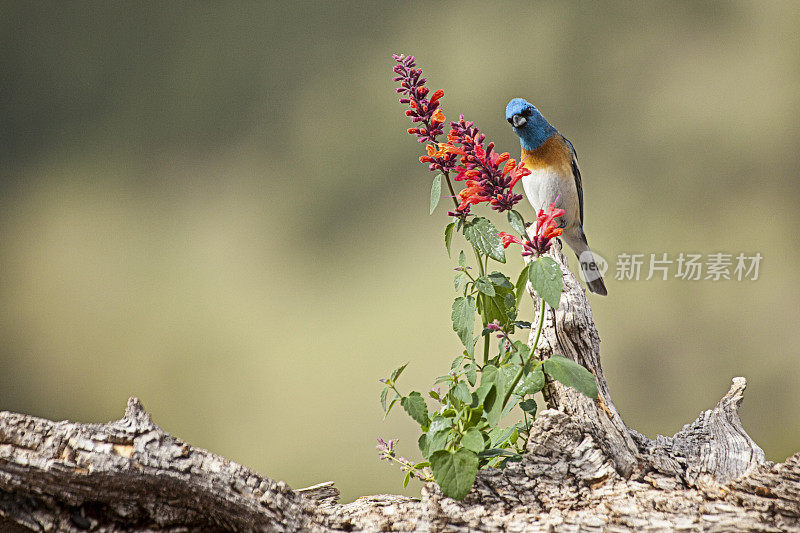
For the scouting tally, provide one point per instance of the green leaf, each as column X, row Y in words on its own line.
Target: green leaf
column 473, row 440
column 383, row 398
column 522, row 281
column 484, row 236
column 463, row 316
column 456, row 362
column 484, row 285
column 436, row 192
column 439, row 423
column 422, row 444
column 500, row 280
column 496, row 308
column 407, row 479
column 474, row 418
column 547, row 279
column 532, row 383
column 571, row 374
column 489, row 374
column 510, row 304
column 461, row 393
column 492, row 403
column 529, row 406
column 522, row 350
column 415, row 406
column 396, row 373
column 508, row 373
column 448, row 236
column 455, row 472
column 391, row 404
column 499, row 436
column 496, row 452
column 459, row 279
column 509, row 406
column 462, row 259
column 515, row 219
column 471, row 374
column 482, row 392
column 436, row 437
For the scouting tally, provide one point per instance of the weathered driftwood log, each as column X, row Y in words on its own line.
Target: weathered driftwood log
column 584, row 471
column 131, row 476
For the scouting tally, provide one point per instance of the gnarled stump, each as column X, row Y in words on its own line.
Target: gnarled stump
column 712, row 449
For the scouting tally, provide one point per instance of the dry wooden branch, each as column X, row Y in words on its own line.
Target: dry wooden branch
column 584, row 471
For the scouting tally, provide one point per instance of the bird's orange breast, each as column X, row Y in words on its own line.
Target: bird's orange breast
column 554, row 154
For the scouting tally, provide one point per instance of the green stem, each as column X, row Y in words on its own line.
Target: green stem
column 482, row 299
column 533, row 349
column 452, row 191
column 539, row 328
column 527, row 428
column 480, row 261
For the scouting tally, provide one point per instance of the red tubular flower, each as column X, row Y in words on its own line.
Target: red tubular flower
column 471, row 195
column 507, row 239
column 546, row 230
column 545, row 220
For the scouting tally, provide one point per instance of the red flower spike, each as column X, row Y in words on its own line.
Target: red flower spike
column 467, row 153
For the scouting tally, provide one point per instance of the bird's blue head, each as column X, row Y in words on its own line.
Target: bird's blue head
column 532, row 128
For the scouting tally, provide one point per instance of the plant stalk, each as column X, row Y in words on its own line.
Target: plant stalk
column 533, row 348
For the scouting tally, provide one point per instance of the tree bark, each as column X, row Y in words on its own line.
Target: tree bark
column 584, row 471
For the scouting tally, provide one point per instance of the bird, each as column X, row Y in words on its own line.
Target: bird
column 554, row 178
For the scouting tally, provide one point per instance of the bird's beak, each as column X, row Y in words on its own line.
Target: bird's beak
column 518, row 121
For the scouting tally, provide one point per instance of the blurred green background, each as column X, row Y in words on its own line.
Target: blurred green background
column 216, row 208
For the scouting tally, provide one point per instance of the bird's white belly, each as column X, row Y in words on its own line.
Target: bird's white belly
column 545, row 186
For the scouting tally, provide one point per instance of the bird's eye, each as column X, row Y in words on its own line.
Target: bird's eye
column 528, row 112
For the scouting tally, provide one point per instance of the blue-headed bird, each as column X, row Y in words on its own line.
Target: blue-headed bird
column 555, row 178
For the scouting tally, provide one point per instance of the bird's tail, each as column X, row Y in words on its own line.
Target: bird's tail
column 591, row 273
column 592, row 267
column 595, row 285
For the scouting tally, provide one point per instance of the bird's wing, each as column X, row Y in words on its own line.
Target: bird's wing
column 576, row 173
